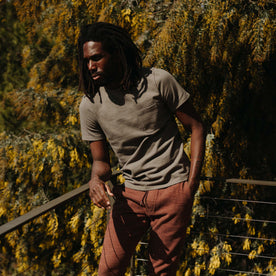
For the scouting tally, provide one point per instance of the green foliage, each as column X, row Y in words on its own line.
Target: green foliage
column 12, row 34
column 12, row 74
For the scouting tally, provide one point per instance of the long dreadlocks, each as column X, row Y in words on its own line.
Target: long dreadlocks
column 113, row 39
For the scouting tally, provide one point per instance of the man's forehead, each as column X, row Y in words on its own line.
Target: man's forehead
column 92, row 47
column 92, row 44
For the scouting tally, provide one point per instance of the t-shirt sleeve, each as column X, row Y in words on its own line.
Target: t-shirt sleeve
column 90, row 129
column 172, row 93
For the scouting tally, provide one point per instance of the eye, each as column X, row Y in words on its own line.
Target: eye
column 96, row 57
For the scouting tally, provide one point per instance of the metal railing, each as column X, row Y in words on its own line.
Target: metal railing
column 53, row 204
column 138, row 258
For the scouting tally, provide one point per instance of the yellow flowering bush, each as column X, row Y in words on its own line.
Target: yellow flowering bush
column 221, row 52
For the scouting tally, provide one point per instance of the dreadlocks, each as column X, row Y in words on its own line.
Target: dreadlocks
column 113, row 39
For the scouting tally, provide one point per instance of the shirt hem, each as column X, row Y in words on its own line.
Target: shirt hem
column 154, row 187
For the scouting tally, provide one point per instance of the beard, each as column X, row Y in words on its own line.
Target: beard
column 101, row 79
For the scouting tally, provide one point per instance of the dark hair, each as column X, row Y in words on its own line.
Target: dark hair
column 113, row 39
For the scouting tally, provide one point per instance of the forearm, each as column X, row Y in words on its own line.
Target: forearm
column 101, row 170
column 197, row 156
column 101, row 173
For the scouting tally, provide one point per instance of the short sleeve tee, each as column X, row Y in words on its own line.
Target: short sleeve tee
column 141, row 129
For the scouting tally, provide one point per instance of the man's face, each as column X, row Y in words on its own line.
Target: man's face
column 103, row 67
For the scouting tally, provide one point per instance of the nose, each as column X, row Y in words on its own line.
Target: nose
column 91, row 65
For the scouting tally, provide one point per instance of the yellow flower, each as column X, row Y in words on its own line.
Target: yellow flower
column 71, row 120
column 214, row 264
column 260, row 249
column 121, row 179
column 51, row 145
column 60, row 152
column 207, row 185
column 248, row 217
column 74, row 222
column 251, row 230
column 55, row 168
column 194, row 245
column 203, row 248
column 227, row 247
column 237, row 218
column 228, row 258
column 259, row 270
column 252, row 254
column 188, row 272
column 74, row 157
column 88, row 223
column 197, row 270
column 215, row 250
column 246, row 245
column 77, row 257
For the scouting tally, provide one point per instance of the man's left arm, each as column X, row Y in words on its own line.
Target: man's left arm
column 191, row 121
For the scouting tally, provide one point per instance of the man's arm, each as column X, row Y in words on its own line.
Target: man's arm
column 101, row 173
column 191, row 121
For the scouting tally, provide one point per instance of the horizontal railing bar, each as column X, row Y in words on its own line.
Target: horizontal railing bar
column 235, row 236
column 144, row 243
column 238, row 200
column 142, row 260
column 243, row 219
column 246, row 272
column 242, row 254
column 256, row 256
column 240, row 181
column 252, row 182
column 16, row 223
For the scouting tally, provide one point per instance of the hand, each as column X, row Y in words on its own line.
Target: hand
column 191, row 188
column 97, row 193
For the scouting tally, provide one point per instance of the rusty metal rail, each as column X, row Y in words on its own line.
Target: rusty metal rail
column 16, row 223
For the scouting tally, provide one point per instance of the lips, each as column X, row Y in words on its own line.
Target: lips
column 96, row 76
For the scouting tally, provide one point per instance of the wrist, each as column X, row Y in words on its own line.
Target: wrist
column 193, row 181
column 193, row 185
column 101, row 170
column 96, row 180
column 101, row 177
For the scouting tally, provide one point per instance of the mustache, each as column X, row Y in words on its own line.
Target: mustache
column 96, row 74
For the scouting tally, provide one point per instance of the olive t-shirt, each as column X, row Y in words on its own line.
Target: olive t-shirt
column 141, row 129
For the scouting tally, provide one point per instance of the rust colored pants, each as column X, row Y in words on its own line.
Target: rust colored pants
column 167, row 211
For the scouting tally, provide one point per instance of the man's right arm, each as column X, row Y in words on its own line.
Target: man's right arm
column 101, row 173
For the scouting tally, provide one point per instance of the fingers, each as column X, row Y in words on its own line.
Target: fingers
column 98, row 194
column 108, row 190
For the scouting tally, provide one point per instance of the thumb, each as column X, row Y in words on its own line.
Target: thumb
column 108, row 190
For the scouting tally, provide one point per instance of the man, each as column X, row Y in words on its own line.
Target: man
column 133, row 109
